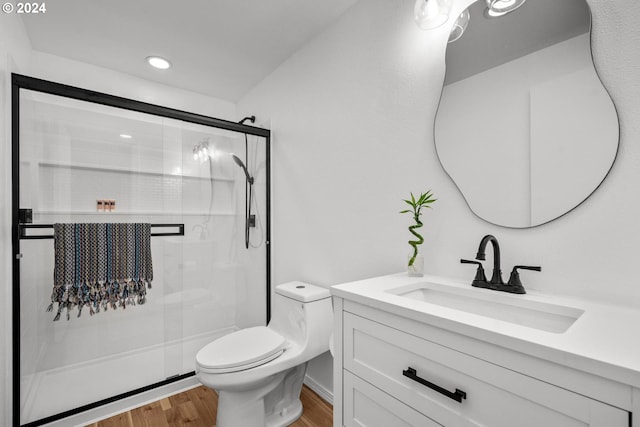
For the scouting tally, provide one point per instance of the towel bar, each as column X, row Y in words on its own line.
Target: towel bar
column 24, row 227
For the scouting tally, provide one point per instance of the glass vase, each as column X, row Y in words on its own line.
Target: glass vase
column 417, row 268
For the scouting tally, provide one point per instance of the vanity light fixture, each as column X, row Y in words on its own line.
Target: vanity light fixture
column 459, row 26
column 158, row 62
column 497, row 8
column 431, row 13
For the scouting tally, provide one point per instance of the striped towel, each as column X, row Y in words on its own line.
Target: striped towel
column 100, row 265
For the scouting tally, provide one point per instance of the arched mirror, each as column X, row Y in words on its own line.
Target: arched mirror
column 525, row 128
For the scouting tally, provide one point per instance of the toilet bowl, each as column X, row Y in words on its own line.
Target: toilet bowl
column 258, row 372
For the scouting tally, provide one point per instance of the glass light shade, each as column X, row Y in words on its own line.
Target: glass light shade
column 501, row 7
column 431, row 13
column 460, row 25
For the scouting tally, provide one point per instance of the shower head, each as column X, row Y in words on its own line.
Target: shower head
column 240, row 163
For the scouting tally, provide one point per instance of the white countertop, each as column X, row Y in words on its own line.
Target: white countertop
column 604, row 340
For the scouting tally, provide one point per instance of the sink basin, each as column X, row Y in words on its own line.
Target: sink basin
column 509, row 308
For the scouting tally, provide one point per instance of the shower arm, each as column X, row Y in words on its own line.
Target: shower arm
column 252, row 119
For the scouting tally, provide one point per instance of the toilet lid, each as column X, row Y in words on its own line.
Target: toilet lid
column 239, row 349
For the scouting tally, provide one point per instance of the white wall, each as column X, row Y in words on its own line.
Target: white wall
column 352, row 120
column 14, row 56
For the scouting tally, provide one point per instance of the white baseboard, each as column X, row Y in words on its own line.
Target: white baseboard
column 319, row 389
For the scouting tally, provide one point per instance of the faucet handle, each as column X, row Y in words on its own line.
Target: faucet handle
column 526, row 267
column 480, row 276
column 514, row 279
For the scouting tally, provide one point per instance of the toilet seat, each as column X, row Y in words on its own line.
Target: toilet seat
column 244, row 349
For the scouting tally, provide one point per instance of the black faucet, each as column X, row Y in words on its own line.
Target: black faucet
column 496, row 283
column 496, row 276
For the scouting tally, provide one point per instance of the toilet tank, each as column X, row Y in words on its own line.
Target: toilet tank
column 303, row 314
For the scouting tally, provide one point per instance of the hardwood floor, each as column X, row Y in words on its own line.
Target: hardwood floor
column 197, row 408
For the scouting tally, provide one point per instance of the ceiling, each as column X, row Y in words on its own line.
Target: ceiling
column 221, row 48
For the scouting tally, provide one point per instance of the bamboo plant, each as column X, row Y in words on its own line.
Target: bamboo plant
column 424, row 201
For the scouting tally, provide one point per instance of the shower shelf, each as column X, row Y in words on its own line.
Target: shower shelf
column 119, row 169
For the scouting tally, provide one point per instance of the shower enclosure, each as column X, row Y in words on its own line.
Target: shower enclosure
column 86, row 157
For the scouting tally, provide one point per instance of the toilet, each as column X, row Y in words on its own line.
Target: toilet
column 258, row 372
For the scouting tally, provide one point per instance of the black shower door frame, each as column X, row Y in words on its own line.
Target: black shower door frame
column 19, row 82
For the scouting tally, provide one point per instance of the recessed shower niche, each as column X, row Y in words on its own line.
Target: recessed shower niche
column 525, row 128
column 76, row 147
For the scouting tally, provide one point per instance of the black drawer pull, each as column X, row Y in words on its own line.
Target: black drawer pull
column 458, row 395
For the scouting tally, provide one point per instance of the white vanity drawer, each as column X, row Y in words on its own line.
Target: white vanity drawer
column 495, row 396
column 365, row 405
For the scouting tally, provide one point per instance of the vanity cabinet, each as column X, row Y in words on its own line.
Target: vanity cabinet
column 395, row 371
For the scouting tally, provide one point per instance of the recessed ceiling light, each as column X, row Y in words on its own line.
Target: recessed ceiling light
column 125, row 136
column 158, row 62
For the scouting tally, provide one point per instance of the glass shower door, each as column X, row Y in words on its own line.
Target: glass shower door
column 117, row 161
column 223, row 280
column 87, row 163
